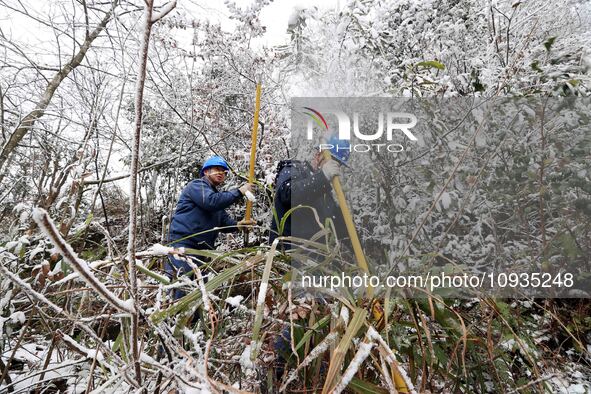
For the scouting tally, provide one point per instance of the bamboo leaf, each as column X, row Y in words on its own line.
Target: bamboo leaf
column 258, row 320
column 549, row 42
column 336, row 362
column 195, row 296
column 363, row 387
column 431, row 64
column 320, row 324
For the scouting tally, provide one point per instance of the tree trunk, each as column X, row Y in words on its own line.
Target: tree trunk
column 139, row 95
column 29, row 120
column 149, row 20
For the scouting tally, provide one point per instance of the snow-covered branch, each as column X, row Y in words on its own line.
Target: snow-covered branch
column 80, row 266
column 77, row 322
column 360, row 356
column 86, row 352
column 164, row 11
column 372, row 334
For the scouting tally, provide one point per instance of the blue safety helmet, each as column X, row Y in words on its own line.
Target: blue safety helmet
column 214, row 161
column 340, row 149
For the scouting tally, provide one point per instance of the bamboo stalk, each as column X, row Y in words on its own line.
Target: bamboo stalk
column 253, row 149
column 261, row 301
column 348, row 218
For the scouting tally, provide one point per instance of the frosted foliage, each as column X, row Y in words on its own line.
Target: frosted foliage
column 377, row 48
column 515, row 196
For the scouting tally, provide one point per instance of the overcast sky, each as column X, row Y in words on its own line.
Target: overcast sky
column 274, row 16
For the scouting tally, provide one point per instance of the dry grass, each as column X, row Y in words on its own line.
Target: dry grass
column 426, row 343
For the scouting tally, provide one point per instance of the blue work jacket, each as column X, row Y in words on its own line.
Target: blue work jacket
column 201, row 207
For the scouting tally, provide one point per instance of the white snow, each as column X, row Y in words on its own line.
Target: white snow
column 26, row 287
column 445, row 200
column 40, row 248
column 360, row 356
column 24, row 216
column 18, row 317
column 270, row 179
column 345, row 314
column 147, row 359
column 245, row 361
column 6, row 299
column 17, row 246
column 128, row 304
column 317, row 351
column 56, row 269
column 262, row 293
column 20, row 207
column 46, row 225
column 194, row 337
column 204, row 295
column 54, row 371
column 2, row 321
column 576, row 389
column 88, row 353
column 508, row 344
column 373, row 334
column 73, row 275
column 234, row 301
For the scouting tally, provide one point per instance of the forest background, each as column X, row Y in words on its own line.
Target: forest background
column 106, row 118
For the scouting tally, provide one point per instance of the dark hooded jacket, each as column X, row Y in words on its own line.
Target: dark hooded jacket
column 297, row 184
column 201, row 207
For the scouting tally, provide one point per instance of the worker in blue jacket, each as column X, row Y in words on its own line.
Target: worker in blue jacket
column 200, row 213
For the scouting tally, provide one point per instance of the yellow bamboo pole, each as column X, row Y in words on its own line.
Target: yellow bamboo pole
column 253, row 150
column 357, row 249
column 359, row 256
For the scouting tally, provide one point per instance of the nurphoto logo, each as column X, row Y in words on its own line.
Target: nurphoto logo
column 395, row 122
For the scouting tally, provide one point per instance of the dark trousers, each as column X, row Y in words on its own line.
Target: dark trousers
column 175, row 267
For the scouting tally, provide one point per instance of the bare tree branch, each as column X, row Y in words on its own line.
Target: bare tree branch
column 29, row 120
column 164, row 11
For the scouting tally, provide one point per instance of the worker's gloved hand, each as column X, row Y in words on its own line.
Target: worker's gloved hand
column 246, row 187
column 330, row 169
column 246, row 225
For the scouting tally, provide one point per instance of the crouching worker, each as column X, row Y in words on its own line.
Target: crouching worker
column 305, row 183
column 200, row 209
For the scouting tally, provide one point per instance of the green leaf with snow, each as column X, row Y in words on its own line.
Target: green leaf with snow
column 549, row 42
column 431, row 64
